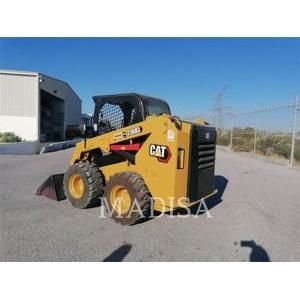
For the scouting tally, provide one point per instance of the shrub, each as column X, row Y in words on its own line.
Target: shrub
column 223, row 137
column 9, row 137
column 242, row 144
column 280, row 144
column 297, row 150
column 243, row 139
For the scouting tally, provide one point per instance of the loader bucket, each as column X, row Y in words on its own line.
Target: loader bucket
column 52, row 188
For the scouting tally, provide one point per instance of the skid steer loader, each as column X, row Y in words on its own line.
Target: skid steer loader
column 138, row 154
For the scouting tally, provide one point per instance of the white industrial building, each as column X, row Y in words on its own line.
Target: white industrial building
column 37, row 107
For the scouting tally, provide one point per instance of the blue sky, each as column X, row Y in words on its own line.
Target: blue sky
column 186, row 72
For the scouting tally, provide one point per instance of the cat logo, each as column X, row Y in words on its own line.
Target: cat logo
column 161, row 152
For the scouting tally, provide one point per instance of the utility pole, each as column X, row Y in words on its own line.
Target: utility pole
column 294, row 132
column 255, row 132
column 231, row 130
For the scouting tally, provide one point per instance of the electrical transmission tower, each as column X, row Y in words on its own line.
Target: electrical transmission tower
column 219, row 107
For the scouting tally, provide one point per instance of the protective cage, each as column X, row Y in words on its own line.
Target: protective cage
column 117, row 111
column 115, row 116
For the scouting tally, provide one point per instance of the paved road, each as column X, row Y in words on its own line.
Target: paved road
column 254, row 217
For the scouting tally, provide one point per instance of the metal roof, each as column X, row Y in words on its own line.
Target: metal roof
column 142, row 97
column 15, row 72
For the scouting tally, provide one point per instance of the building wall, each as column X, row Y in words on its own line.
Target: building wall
column 62, row 90
column 20, row 102
column 19, row 98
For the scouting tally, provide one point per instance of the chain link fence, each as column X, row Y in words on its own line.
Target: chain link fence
column 270, row 133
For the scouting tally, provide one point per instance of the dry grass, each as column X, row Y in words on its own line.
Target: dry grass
column 277, row 146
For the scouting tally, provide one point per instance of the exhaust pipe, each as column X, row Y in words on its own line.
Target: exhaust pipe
column 52, row 188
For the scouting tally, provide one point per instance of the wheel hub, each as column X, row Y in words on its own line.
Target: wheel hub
column 120, row 199
column 76, row 186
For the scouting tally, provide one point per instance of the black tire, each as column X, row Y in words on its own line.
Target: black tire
column 93, row 183
column 137, row 189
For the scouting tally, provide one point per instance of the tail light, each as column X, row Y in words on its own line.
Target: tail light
column 180, row 159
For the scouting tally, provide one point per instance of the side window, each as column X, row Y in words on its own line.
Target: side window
column 157, row 108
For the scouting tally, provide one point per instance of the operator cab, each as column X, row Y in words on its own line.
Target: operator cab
column 117, row 111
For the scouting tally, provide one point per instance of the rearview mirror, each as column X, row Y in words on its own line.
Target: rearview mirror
column 95, row 127
column 82, row 128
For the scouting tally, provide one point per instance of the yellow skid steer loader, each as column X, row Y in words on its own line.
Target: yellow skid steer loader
column 139, row 154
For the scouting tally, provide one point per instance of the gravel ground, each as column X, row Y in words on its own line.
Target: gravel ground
column 255, row 217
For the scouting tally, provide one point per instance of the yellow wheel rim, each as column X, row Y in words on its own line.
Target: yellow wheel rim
column 76, row 186
column 120, row 199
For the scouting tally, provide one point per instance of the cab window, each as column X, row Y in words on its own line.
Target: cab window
column 157, row 108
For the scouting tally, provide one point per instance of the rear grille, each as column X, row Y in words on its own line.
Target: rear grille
column 201, row 162
column 206, row 156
